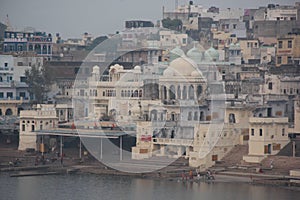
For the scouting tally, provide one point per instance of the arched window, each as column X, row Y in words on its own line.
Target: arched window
column 164, row 92
column 8, row 111
column 231, row 118
column 172, row 92
column 184, row 92
column 196, row 116
column 190, row 117
column 201, row 116
column 172, row 116
column 199, row 91
column 191, row 92
column 178, row 92
column 153, row 115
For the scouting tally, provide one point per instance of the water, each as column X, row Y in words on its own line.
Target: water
column 75, row 187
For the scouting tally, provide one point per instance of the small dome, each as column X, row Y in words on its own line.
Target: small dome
column 195, row 54
column 115, row 68
column 96, row 69
column 137, row 70
column 211, row 54
column 183, row 66
column 176, row 53
column 168, row 72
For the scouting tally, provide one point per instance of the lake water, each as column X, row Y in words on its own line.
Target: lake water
column 64, row 187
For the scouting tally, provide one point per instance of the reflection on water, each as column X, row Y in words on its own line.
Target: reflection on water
column 110, row 187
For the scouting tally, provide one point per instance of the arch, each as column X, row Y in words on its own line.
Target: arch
column 190, row 116
column 178, row 92
column 8, row 112
column 153, row 115
column 136, row 93
column 173, row 116
column 172, row 92
column 164, row 92
column 191, row 92
column 199, row 90
column 184, row 92
column 231, row 118
column 173, row 133
column 201, row 116
column 196, row 116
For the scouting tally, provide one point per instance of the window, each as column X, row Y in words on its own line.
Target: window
column 22, row 94
column 231, row 118
column 290, row 44
column 1, row 95
column 20, row 63
column 270, row 86
column 279, row 60
column 9, row 95
column 283, row 132
column 280, row 44
column 260, row 132
column 22, row 79
column 23, row 127
column 234, row 26
column 289, row 60
column 252, row 131
column 6, row 64
column 190, row 116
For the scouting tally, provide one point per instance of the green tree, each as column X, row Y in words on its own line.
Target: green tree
column 39, row 80
column 173, row 24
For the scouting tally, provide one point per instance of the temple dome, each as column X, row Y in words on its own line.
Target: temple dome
column 211, row 54
column 183, row 66
column 176, row 53
column 195, row 54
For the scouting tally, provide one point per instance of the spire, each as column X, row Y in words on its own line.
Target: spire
column 7, row 23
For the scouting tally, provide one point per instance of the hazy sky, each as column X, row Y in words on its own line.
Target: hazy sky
column 71, row 18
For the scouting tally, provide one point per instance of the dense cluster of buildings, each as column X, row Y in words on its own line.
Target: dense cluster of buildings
column 229, row 77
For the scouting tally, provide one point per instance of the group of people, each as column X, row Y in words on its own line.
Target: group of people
column 190, row 176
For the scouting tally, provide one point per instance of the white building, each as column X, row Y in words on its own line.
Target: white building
column 267, row 137
column 33, row 120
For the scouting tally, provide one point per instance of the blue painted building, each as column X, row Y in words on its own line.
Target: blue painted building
column 38, row 42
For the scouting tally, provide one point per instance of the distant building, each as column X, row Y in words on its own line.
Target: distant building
column 267, row 137
column 19, row 42
column 138, row 24
column 44, row 117
column 288, row 50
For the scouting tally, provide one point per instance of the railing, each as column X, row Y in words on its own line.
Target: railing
column 171, row 141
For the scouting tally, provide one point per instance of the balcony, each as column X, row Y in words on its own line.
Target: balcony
column 172, row 141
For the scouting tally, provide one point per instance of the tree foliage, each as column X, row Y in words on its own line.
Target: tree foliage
column 96, row 42
column 173, row 24
column 39, row 80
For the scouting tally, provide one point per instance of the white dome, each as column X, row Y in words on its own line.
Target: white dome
column 183, row 66
column 169, row 72
column 137, row 70
column 196, row 73
column 116, row 68
column 176, row 53
column 137, row 67
column 96, row 69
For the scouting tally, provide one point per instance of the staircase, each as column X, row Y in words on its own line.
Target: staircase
column 234, row 157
